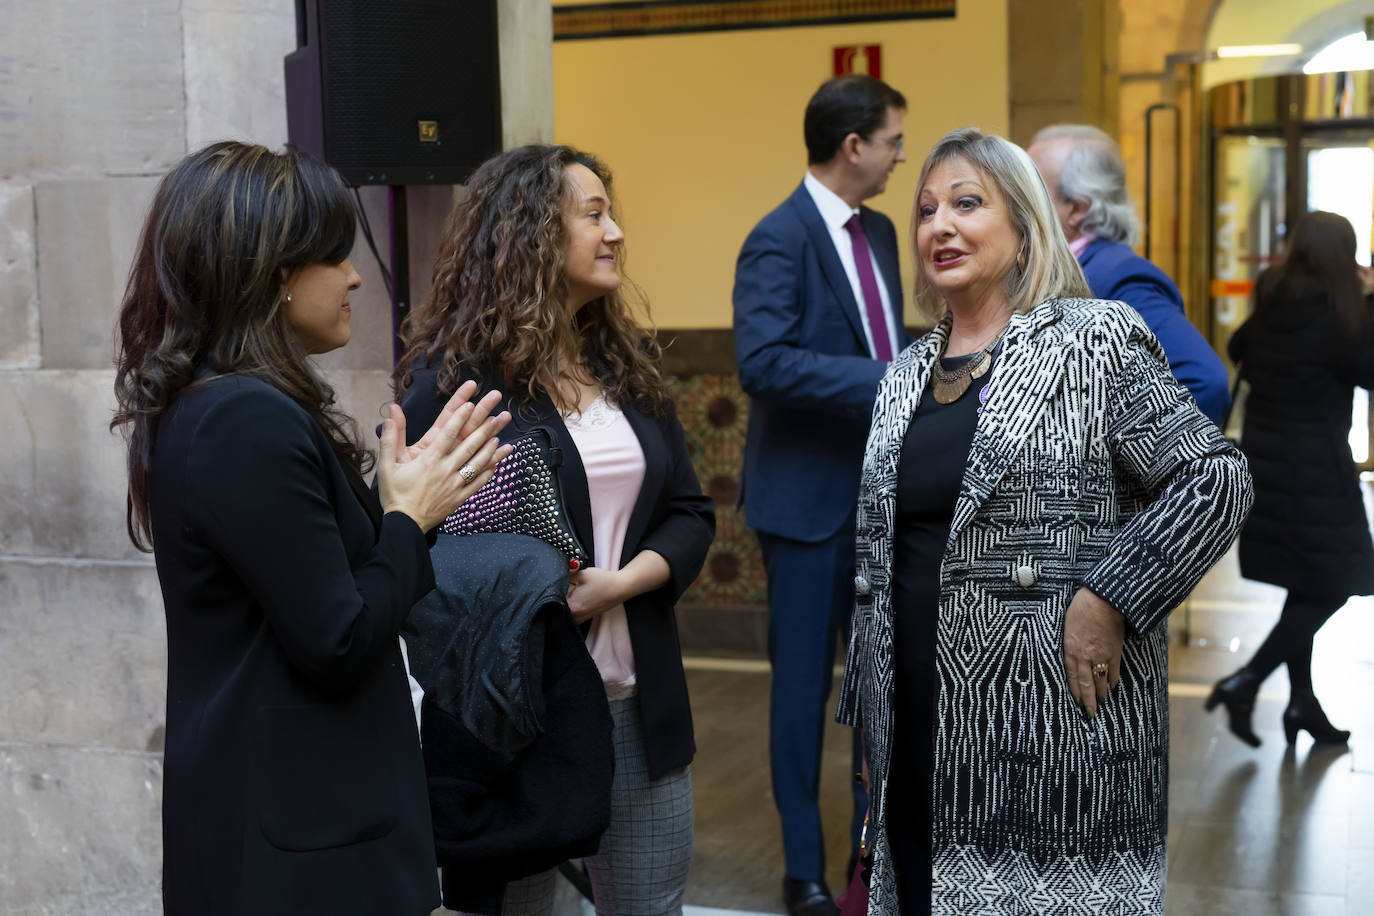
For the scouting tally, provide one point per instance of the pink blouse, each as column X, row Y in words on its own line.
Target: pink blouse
column 614, row 462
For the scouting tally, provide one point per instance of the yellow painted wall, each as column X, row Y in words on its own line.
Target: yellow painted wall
column 704, row 132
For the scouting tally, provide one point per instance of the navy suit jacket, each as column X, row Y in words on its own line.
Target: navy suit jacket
column 1114, row 271
column 805, row 364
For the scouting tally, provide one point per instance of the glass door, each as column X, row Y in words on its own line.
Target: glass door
column 1249, row 222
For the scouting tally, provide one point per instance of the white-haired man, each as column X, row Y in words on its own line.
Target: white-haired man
column 1086, row 178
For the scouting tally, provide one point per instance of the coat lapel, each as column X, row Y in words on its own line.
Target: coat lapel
column 1013, row 408
column 655, row 469
column 898, row 397
column 829, row 259
column 365, row 496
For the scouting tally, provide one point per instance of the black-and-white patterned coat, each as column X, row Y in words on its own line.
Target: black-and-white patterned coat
column 1089, row 466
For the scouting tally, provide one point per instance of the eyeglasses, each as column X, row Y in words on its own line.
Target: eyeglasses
column 897, row 143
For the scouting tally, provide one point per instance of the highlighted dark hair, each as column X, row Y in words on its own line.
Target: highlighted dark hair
column 227, row 226
column 500, row 290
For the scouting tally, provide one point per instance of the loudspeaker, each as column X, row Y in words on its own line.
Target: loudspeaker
column 395, row 93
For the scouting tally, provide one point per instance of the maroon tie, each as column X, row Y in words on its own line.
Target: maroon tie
column 873, row 300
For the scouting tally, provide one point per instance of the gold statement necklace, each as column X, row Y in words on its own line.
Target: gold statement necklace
column 950, row 384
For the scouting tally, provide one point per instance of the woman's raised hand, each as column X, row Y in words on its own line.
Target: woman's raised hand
column 425, row 481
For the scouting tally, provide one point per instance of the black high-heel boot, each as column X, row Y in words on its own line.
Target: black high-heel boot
column 1237, row 692
column 1305, row 712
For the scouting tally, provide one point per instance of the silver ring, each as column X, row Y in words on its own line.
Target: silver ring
column 468, row 473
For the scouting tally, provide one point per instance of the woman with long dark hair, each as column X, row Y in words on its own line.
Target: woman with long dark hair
column 293, row 780
column 528, row 295
column 1304, row 350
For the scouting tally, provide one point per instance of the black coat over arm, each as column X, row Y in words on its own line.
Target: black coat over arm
column 671, row 517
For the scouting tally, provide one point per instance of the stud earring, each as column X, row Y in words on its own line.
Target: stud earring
column 288, row 297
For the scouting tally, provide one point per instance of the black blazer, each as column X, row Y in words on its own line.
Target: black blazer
column 293, row 777
column 671, row 517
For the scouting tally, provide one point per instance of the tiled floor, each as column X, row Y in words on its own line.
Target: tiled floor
column 1273, row 830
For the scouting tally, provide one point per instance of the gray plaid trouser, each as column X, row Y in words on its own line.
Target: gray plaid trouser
column 641, row 867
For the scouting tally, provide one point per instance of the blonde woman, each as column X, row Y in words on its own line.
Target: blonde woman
column 1037, row 493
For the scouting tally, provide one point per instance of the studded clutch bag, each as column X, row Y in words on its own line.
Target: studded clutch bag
column 524, row 496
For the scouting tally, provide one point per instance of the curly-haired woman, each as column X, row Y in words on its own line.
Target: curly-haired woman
column 527, row 296
column 293, row 778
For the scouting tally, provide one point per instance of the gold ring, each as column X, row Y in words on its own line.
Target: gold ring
column 1100, row 669
column 468, row 473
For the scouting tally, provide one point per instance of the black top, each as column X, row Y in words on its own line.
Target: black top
column 671, row 517
column 1308, row 532
column 293, row 777
column 929, row 474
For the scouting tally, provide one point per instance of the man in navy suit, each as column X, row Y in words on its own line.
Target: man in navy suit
column 818, row 317
column 1086, row 178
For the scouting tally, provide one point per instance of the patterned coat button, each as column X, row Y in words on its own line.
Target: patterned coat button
column 1024, row 576
column 861, row 586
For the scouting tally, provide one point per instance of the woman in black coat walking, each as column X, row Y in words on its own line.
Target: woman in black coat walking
column 1303, row 351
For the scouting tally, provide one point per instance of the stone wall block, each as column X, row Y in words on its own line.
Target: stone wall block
column 362, row 394
column 87, row 236
column 82, row 831
column 85, row 654
column 235, row 87
column 91, row 87
column 67, row 478
column 65, row 486
column 19, row 341
column 369, row 346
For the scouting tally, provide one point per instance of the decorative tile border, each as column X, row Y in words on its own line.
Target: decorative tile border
column 726, row 609
column 666, row 17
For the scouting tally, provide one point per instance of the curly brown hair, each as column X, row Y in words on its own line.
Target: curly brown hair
column 498, row 300
column 227, row 226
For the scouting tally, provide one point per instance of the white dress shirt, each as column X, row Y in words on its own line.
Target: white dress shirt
column 835, row 213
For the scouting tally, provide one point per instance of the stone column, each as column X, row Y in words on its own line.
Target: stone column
column 1062, row 64
column 93, row 111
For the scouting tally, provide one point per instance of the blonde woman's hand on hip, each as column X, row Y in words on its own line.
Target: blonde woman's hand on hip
column 1094, row 633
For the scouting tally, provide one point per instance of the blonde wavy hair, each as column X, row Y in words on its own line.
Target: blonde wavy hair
column 1044, row 268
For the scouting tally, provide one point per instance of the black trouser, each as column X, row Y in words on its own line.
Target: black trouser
column 911, row 768
column 1290, row 642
